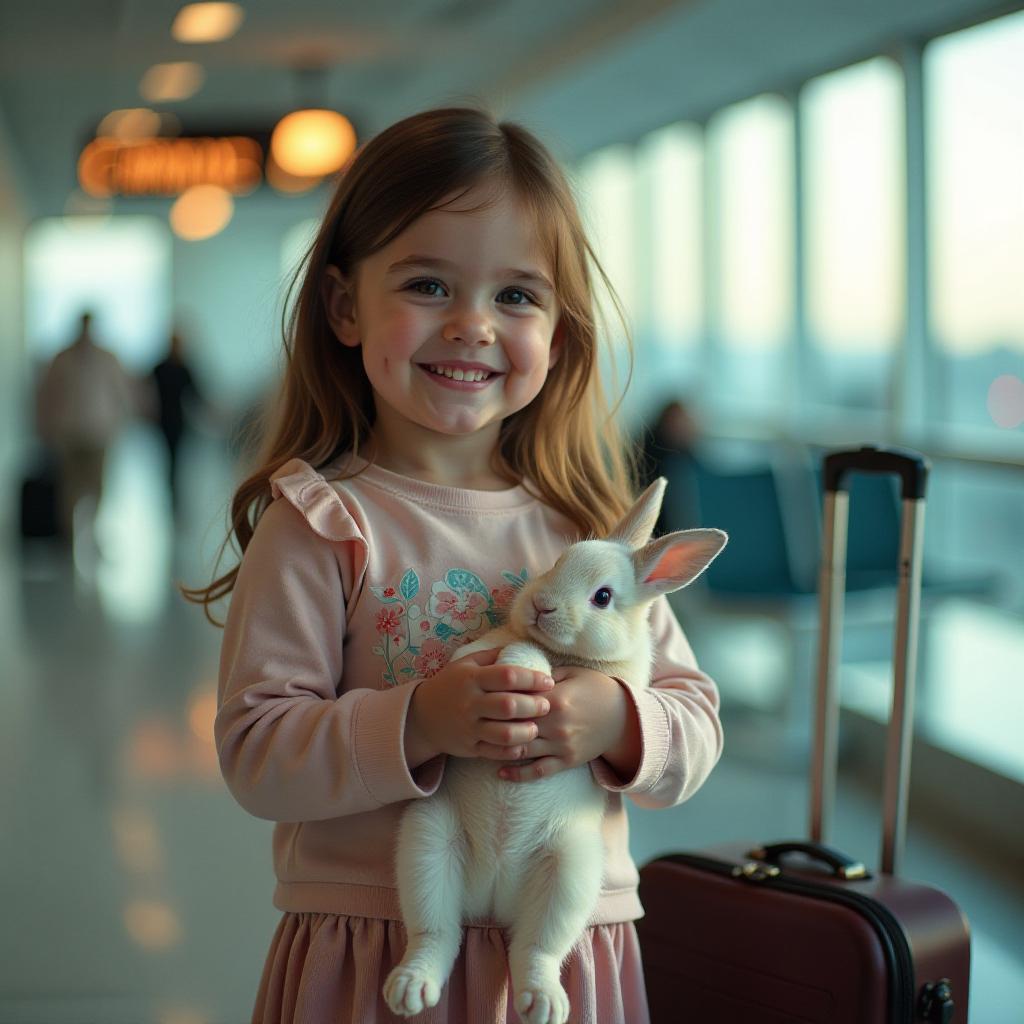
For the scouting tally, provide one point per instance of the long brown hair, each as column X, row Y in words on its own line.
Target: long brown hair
column 566, row 444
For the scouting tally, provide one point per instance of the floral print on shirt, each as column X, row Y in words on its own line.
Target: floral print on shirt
column 418, row 637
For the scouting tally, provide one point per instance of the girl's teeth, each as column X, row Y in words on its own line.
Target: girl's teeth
column 454, row 374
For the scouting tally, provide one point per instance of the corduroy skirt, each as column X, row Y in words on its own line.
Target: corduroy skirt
column 330, row 968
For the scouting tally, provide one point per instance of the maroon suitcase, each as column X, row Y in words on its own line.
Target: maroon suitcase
column 796, row 931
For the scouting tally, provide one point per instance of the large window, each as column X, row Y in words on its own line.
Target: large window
column 750, row 149
column 671, row 169
column 697, row 232
column 855, row 227
column 974, row 83
column 670, row 291
column 119, row 268
column 609, row 204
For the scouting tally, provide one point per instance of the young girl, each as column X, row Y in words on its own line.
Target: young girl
column 440, row 438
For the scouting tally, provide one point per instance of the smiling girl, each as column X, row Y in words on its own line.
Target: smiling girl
column 441, row 436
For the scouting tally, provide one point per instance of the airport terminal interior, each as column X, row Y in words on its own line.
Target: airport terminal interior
column 812, row 216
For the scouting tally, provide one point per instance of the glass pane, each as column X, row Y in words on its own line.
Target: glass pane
column 975, row 119
column 751, row 147
column 855, row 229
column 608, row 201
column 671, row 163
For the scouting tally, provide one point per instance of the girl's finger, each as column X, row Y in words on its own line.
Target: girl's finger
column 506, row 706
column 507, row 734
column 512, row 677
column 542, row 768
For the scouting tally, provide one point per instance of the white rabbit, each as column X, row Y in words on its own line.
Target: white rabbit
column 529, row 856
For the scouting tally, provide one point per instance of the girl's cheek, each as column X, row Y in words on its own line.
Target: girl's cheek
column 402, row 333
column 529, row 353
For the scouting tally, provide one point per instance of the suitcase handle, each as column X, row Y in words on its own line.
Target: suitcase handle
column 911, row 467
column 842, row 866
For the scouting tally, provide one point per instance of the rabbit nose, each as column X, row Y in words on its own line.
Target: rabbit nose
column 544, row 600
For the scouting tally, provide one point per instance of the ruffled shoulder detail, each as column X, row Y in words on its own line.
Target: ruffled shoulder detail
column 320, row 504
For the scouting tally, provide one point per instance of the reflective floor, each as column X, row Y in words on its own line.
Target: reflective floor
column 135, row 891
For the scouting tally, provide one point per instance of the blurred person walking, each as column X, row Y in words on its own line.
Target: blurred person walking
column 174, row 389
column 84, row 399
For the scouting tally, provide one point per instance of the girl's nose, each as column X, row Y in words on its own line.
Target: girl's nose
column 469, row 328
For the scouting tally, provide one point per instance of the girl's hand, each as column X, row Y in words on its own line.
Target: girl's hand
column 474, row 708
column 591, row 716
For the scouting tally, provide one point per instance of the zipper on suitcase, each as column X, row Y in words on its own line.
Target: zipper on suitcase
column 895, row 948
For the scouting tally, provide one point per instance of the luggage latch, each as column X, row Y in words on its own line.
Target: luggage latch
column 755, row 871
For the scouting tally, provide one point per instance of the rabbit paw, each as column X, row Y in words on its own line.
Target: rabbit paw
column 543, row 1004
column 410, row 990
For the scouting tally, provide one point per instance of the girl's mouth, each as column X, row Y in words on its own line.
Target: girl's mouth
column 460, row 380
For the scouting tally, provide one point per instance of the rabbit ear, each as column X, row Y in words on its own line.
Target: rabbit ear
column 671, row 562
column 635, row 528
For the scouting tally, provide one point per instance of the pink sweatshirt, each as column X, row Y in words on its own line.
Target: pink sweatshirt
column 349, row 594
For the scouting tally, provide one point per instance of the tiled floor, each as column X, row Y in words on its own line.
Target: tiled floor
column 135, row 891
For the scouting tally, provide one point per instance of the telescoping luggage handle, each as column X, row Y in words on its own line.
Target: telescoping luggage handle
column 912, row 468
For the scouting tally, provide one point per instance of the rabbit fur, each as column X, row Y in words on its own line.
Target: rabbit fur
column 529, row 856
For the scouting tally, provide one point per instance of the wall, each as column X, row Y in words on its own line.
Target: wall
column 14, row 392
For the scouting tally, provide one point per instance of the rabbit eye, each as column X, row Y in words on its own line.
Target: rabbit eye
column 603, row 597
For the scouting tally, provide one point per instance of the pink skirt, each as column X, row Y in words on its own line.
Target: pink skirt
column 331, row 968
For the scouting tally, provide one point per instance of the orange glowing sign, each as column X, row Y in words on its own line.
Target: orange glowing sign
column 169, row 166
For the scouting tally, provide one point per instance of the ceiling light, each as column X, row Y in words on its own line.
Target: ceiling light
column 308, row 143
column 166, row 83
column 201, row 211
column 206, row 22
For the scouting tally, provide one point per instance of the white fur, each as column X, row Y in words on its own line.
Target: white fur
column 529, row 856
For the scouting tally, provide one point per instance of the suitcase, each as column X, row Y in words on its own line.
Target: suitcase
column 797, row 931
column 39, row 502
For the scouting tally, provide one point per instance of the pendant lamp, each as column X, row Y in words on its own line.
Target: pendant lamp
column 314, row 140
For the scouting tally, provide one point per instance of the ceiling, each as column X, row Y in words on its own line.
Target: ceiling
column 581, row 72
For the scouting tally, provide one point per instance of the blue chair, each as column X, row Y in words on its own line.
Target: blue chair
column 773, row 535
column 757, row 561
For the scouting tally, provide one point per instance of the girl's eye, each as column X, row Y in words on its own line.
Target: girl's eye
column 518, row 297
column 603, row 597
column 426, row 286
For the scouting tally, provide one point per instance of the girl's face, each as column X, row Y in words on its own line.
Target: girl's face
column 460, row 293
